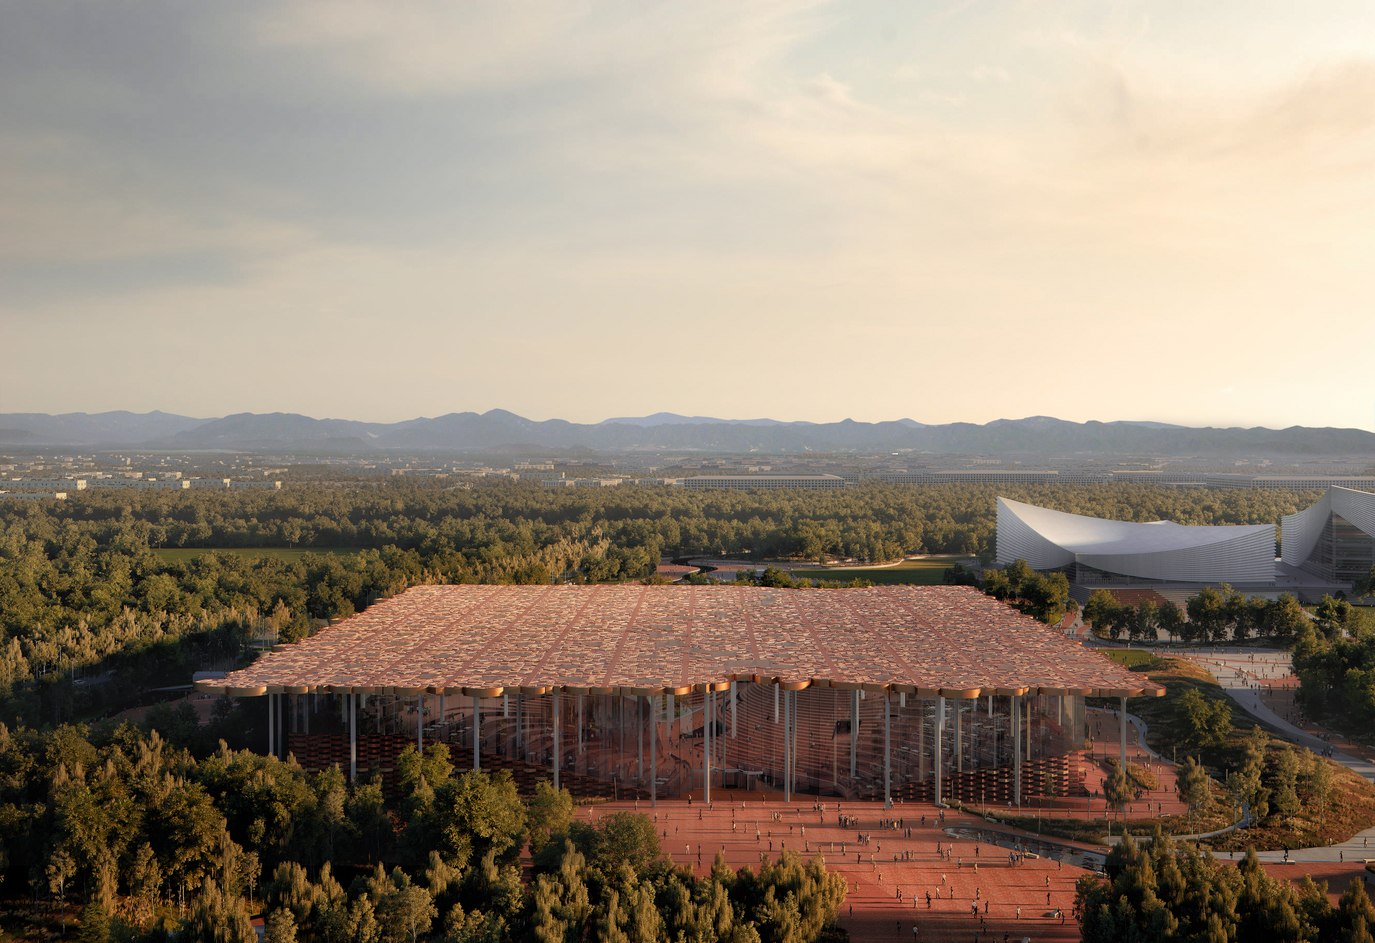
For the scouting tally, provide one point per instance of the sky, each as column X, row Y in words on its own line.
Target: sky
column 948, row 210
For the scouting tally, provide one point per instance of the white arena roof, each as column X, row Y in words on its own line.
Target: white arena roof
column 1160, row 550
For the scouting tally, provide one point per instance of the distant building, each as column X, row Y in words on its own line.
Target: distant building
column 45, row 484
column 1294, row 482
column 1092, row 549
column 765, row 482
column 32, row 495
column 1334, row 539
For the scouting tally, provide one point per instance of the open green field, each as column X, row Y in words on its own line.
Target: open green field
column 924, row 571
column 1131, row 657
column 289, row 554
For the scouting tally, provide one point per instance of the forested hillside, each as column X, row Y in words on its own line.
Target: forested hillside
column 82, row 590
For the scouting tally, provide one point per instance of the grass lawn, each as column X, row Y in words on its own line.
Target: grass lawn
column 289, row 554
column 923, row 571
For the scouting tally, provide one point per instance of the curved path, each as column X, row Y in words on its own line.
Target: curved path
column 1240, row 672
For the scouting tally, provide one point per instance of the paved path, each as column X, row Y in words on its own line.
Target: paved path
column 1033, row 898
column 1253, row 678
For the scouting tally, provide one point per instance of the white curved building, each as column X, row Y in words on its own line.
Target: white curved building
column 1335, row 538
column 1162, row 550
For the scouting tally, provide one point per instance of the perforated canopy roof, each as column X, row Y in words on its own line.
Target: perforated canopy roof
column 483, row 641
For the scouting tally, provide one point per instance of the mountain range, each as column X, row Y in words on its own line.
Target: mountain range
column 500, row 431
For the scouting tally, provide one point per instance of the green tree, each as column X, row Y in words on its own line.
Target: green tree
column 1320, row 784
column 1286, row 780
column 1202, row 722
column 1117, row 790
column 1192, row 784
column 550, row 815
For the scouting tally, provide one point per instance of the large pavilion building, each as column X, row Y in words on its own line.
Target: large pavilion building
column 1095, row 550
column 894, row 691
column 1334, row 539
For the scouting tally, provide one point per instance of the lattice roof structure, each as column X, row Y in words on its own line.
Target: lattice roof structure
column 482, row 641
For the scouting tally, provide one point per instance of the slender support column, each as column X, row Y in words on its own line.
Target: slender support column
column 353, row 737
column 580, row 725
column 708, row 721
column 787, row 747
column 307, row 703
column 939, row 745
column 477, row 733
column 734, row 709
column 921, row 741
column 654, row 752
column 887, row 753
column 959, row 738
column 557, row 759
column 1017, row 750
column 854, row 730
column 640, row 736
column 271, row 725
column 420, row 724
column 1124, row 734
column 793, row 770
column 775, row 703
column 520, row 725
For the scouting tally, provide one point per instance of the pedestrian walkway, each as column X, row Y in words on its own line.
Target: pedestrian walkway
column 890, row 861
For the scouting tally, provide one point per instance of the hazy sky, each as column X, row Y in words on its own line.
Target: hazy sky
column 940, row 210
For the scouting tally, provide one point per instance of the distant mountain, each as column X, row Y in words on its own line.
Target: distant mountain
column 501, row 431
column 112, row 428
column 673, row 419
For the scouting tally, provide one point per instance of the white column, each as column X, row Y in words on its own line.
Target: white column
column 557, row 763
column 640, row 736
column 938, row 746
column 1124, row 735
column 477, row 733
column 1017, row 749
column 959, row 738
column 887, row 753
column 854, row 730
column 787, row 747
column 420, row 724
column 708, row 719
column 654, row 752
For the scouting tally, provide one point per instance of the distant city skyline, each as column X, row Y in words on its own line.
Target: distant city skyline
column 802, row 210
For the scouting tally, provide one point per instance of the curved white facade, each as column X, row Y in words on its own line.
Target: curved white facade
column 1301, row 534
column 1162, row 550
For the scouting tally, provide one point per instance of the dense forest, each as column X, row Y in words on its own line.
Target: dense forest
column 154, row 842
column 82, row 591
column 1158, row 890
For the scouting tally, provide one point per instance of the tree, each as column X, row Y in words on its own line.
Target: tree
column 404, row 910
column 95, row 924
column 1286, row 796
column 622, row 839
column 1331, row 616
column 1365, row 586
column 1101, row 611
column 1192, row 784
column 1208, row 611
column 1202, row 722
column 1320, row 784
column 1117, row 790
column 550, row 814
column 1169, row 617
column 477, row 813
column 1146, row 621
